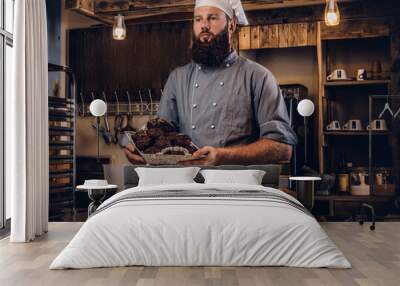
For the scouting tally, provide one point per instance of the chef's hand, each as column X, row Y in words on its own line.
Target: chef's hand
column 211, row 156
column 133, row 155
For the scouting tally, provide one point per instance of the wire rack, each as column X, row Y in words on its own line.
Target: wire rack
column 145, row 102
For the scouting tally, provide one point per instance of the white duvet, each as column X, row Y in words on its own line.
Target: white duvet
column 200, row 231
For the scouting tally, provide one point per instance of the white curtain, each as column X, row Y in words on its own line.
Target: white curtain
column 27, row 124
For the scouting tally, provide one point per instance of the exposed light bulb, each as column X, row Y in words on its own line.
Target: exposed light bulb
column 332, row 14
column 119, row 28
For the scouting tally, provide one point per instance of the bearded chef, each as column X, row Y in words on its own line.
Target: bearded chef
column 230, row 106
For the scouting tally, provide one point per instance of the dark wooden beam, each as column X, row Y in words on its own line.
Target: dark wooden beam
column 353, row 10
column 86, row 8
column 258, row 12
column 134, row 9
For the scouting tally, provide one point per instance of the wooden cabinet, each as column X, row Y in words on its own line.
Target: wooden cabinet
column 277, row 36
column 344, row 207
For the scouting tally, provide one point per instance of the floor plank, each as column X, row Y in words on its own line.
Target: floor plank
column 375, row 257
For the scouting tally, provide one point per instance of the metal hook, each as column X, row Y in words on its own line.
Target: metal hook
column 83, row 105
column 141, row 102
column 116, row 98
column 104, row 96
column 151, row 103
column 93, row 97
column 105, row 100
column 129, row 103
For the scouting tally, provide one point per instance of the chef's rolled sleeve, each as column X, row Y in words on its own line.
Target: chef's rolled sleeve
column 168, row 109
column 271, row 112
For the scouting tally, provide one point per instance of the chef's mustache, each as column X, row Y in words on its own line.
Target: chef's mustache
column 206, row 31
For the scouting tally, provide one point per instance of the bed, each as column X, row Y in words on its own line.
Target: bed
column 197, row 224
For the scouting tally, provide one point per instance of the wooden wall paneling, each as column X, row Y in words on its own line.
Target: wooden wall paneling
column 311, row 34
column 255, row 37
column 244, row 38
column 144, row 60
column 357, row 28
column 284, row 35
column 303, row 39
column 268, row 36
column 278, row 36
column 272, row 36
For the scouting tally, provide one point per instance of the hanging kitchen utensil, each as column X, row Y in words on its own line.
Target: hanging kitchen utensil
column 151, row 103
column 141, row 102
column 82, row 111
column 386, row 108
column 108, row 138
column 118, row 123
column 129, row 116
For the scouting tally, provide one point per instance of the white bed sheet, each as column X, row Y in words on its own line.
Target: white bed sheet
column 200, row 232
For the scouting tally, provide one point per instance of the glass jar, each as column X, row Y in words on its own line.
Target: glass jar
column 360, row 181
column 383, row 181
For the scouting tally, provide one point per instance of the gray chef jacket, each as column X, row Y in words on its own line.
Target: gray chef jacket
column 236, row 103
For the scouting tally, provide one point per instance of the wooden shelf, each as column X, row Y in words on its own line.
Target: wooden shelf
column 371, row 198
column 356, row 133
column 64, row 129
column 357, row 82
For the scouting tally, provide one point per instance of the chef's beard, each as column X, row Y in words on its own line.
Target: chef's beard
column 213, row 53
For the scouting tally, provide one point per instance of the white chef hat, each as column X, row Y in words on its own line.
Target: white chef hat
column 230, row 7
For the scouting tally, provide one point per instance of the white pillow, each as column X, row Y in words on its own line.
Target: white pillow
column 164, row 176
column 248, row 177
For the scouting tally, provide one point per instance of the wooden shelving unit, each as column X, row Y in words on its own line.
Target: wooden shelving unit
column 348, row 99
column 357, row 133
column 61, row 149
column 357, row 82
column 352, row 45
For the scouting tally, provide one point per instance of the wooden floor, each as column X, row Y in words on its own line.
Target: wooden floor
column 375, row 256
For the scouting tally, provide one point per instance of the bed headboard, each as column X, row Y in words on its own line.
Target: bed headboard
column 270, row 179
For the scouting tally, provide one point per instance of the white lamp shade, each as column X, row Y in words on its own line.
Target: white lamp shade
column 305, row 107
column 119, row 28
column 98, row 107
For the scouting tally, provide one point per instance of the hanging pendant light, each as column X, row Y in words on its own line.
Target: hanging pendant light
column 119, row 28
column 332, row 14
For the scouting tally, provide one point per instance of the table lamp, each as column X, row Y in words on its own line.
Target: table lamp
column 98, row 108
column 305, row 108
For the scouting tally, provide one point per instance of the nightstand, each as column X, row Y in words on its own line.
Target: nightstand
column 96, row 194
